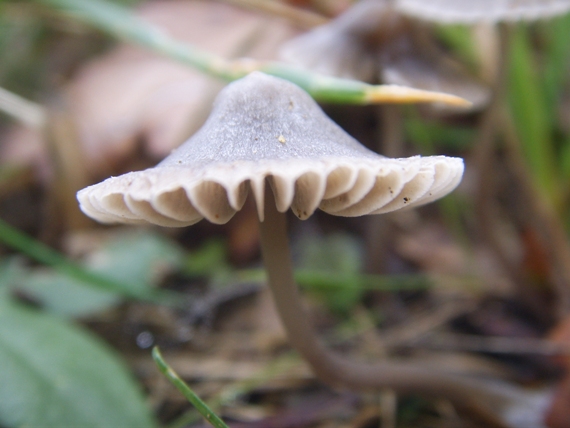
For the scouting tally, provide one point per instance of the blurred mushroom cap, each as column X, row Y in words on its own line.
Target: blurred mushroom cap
column 470, row 12
column 265, row 129
column 340, row 47
column 374, row 42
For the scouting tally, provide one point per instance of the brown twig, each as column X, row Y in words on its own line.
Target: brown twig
column 424, row 323
column 491, row 344
column 69, row 165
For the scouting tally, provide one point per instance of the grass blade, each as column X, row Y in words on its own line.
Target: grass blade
column 46, row 255
column 202, row 407
column 124, row 25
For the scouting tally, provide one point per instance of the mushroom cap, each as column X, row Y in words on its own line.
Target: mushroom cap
column 266, row 130
column 470, row 12
column 339, row 48
column 372, row 41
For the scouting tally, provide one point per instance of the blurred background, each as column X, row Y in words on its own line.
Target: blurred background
column 478, row 283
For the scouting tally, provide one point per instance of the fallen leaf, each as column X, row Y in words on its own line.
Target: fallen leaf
column 131, row 99
column 131, row 95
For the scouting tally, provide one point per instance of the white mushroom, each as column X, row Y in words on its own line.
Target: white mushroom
column 373, row 41
column 266, row 130
column 470, row 12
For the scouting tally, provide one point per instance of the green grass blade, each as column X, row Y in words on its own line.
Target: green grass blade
column 528, row 105
column 315, row 278
column 555, row 60
column 190, row 395
column 45, row 255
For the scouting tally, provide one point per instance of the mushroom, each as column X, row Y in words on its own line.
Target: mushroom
column 374, row 42
column 470, row 12
column 498, row 18
column 267, row 136
column 256, row 134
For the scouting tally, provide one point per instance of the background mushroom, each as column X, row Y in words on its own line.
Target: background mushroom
column 497, row 18
column 405, row 53
column 268, row 136
column 374, row 42
column 467, row 12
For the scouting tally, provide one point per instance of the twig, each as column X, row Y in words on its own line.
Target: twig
column 424, row 323
column 491, row 344
column 124, row 25
column 391, row 141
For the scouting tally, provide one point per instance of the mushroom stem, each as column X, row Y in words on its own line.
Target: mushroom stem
column 470, row 395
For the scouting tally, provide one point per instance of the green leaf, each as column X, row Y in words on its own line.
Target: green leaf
column 65, row 295
column 53, row 374
column 46, row 255
column 208, row 260
column 137, row 259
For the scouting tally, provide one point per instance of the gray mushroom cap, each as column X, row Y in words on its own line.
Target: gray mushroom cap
column 473, row 11
column 265, row 129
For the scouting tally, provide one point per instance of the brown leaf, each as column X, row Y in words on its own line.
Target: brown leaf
column 130, row 96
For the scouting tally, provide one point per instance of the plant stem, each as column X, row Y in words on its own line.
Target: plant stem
column 190, row 395
column 339, row 372
column 124, row 25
